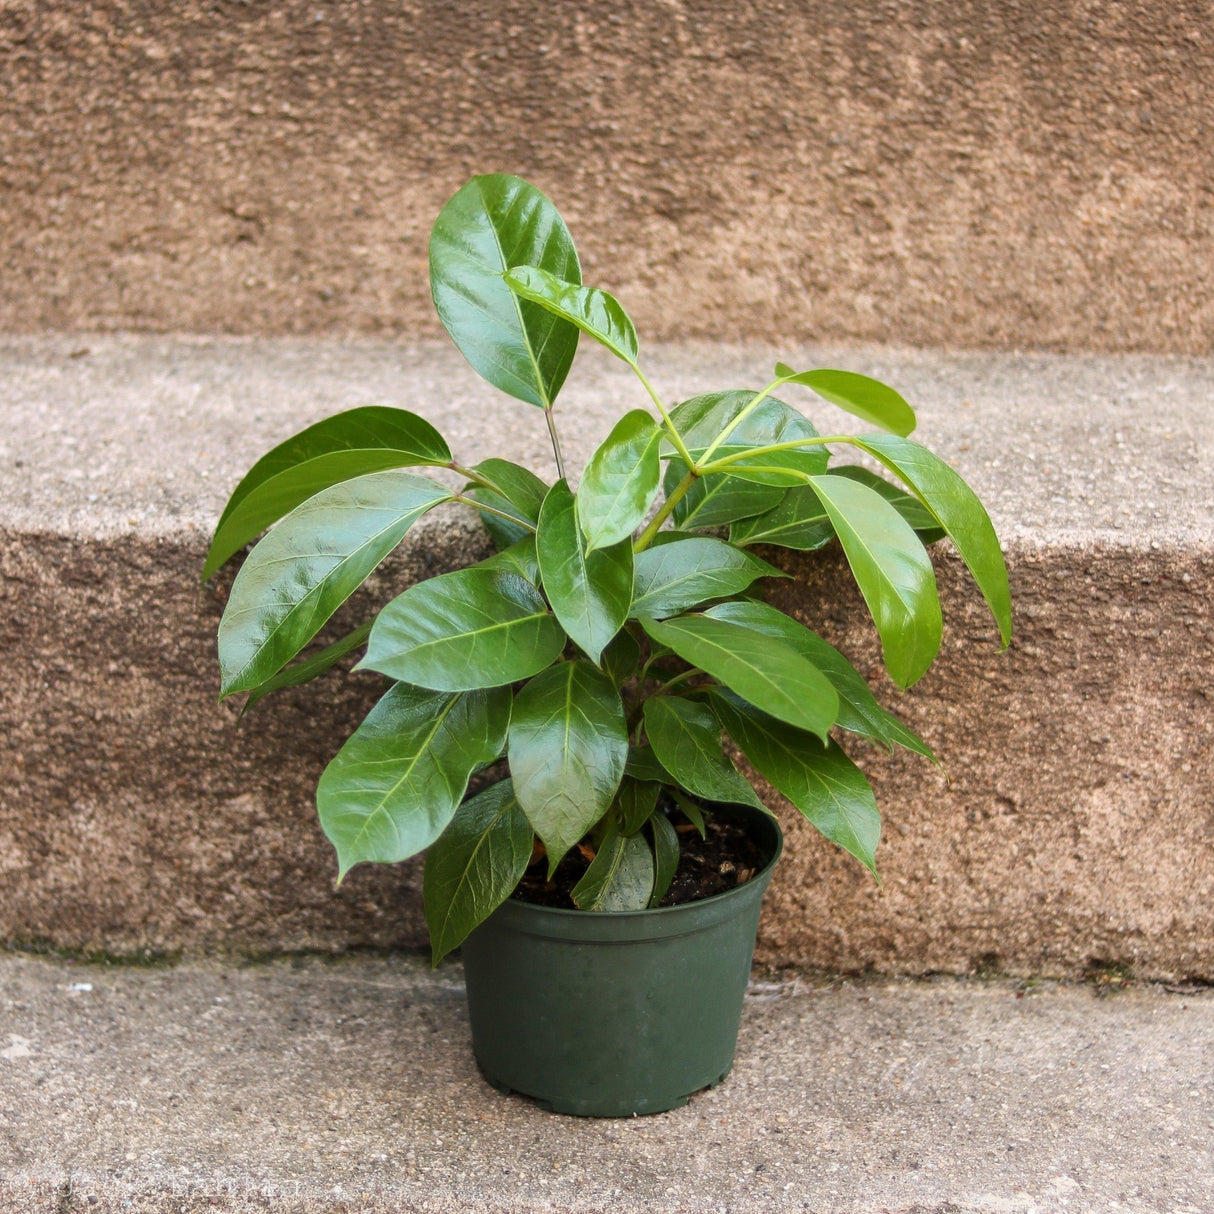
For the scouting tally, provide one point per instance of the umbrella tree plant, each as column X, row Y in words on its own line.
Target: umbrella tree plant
column 617, row 632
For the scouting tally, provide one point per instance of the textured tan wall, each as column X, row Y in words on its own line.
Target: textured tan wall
column 1003, row 174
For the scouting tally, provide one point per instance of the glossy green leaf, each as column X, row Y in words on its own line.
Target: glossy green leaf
column 493, row 223
column 304, row 569
column 798, row 520
column 620, row 877
column 666, row 854
column 957, row 509
column 675, row 577
column 763, row 670
column 620, row 482
column 702, row 418
column 520, row 558
column 517, row 492
column 820, row 780
column 859, row 395
column 307, row 669
column 686, row 737
column 337, row 449
column 595, row 312
column 893, row 571
column 474, row 865
column 568, row 745
column 911, row 509
column 691, row 811
column 643, row 764
column 635, row 802
column 859, row 710
column 475, row 627
column 590, row 592
column 622, row 658
column 395, row 784
column 717, row 499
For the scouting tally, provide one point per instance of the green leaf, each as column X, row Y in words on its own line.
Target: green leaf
column 589, row 591
column 820, row 780
column 520, row 558
column 395, row 784
column 859, row 710
column 474, row 865
column 859, row 395
column 691, row 811
column 686, row 737
column 620, row 482
column 957, row 509
column 635, row 801
column 676, row 576
column 472, row 628
column 306, row 670
column 337, row 449
column 893, row 571
column 622, row 658
column 911, row 509
column 765, row 671
column 568, row 745
column 493, row 223
column 299, row 575
column 702, row 418
column 716, row 499
column 666, row 853
column 643, row 764
column 518, row 492
column 798, row 521
column 620, row 877
column 595, row 312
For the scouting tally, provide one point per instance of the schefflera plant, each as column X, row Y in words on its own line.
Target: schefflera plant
column 607, row 646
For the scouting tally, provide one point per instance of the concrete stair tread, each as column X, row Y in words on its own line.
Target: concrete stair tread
column 310, row 1085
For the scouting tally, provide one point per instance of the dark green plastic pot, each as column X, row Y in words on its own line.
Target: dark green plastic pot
column 613, row 1014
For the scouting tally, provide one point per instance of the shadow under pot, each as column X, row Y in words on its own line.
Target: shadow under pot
column 611, row 1014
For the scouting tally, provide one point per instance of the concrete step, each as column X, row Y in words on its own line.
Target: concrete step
column 310, row 1085
column 1070, row 829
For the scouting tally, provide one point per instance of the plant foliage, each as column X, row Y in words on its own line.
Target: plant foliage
column 608, row 649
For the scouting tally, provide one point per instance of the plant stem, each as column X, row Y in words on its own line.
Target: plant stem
column 556, row 442
column 510, row 518
column 675, row 437
column 472, row 475
column 723, row 464
column 743, row 414
column 646, row 537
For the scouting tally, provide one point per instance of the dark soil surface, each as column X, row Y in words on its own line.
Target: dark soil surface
column 724, row 859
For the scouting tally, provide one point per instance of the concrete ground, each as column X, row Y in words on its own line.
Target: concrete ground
column 306, row 1084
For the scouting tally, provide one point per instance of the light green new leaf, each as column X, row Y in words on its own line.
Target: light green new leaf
column 620, row 482
column 568, row 744
column 893, row 571
column 475, row 627
column 957, row 509
column 675, row 576
column 620, row 877
column 686, row 737
column 299, row 575
column 595, row 312
column 493, row 223
column 337, row 449
column 911, row 509
column 820, row 780
column 306, row 670
column 665, row 856
column 717, row 499
column 798, row 521
column 859, row 710
column 394, row 785
column 589, row 591
column 859, row 395
column 635, row 802
column 765, row 671
column 474, row 865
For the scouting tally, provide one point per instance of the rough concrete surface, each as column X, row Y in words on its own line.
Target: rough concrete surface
column 1073, row 832
column 350, row 1086
column 996, row 174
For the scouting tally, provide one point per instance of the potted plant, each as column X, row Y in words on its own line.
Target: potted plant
column 604, row 649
